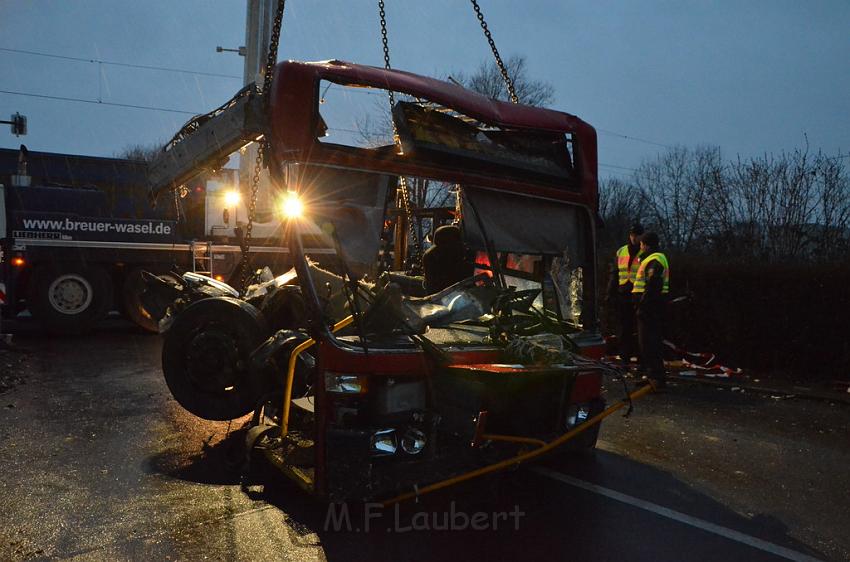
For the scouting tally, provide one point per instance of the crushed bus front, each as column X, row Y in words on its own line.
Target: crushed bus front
column 361, row 384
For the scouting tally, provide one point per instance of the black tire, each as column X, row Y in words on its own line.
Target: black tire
column 205, row 358
column 131, row 303
column 69, row 299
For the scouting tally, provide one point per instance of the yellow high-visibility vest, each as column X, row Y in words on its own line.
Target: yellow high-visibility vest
column 640, row 280
column 627, row 272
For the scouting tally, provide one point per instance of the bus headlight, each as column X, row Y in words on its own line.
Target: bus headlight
column 345, row 384
column 383, row 443
column 413, row 441
column 577, row 414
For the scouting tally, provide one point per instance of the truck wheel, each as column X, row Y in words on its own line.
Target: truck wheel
column 69, row 299
column 206, row 358
column 131, row 303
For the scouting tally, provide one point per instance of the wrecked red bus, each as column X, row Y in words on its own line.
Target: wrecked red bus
column 362, row 383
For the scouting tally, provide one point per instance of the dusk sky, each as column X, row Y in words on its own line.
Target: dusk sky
column 749, row 77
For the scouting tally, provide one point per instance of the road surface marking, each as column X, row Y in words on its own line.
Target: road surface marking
column 676, row 516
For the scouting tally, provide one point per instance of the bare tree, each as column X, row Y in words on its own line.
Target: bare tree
column 773, row 207
column 141, row 152
column 832, row 186
column 772, row 203
column 487, row 80
column 376, row 129
column 620, row 205
column 678, row 188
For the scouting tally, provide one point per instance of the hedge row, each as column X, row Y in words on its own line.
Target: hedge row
column 790, row 318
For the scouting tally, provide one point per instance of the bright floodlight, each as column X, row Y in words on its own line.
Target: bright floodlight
column 231, row 198
column 291, row 206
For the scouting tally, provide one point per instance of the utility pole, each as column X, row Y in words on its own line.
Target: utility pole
column 258, row 32
column 259, row 20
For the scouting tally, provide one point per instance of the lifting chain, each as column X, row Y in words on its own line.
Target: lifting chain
column 177, row 203
column 502, row 68
column 262, row 148
column 252, row 209
column 403, row 190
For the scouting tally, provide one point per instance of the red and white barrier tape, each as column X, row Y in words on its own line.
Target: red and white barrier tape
column 705, row 362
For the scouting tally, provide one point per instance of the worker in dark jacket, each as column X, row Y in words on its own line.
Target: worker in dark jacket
column 445, row 263
column 620, row 293
column 651, row 287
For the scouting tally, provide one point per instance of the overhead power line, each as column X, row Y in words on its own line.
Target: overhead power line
column 631, row 138
column 125, row 64
column 617, row 167
column 96, row 102
column 235, row 77
column 619, row 173
column 184, row 112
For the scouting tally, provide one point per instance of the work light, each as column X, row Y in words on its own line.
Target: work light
column 290, row 206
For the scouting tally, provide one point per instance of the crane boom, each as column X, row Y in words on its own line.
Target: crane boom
column 208, row 143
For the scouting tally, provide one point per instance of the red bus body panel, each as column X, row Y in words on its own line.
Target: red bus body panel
column 294, row 123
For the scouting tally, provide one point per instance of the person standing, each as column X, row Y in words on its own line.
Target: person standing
column 628, row 260
column 651, row 287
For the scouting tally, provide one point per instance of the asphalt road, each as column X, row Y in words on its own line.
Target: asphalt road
column 98, row 462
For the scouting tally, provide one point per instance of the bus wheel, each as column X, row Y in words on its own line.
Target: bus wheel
column 131, row 301
column 206, row 358
column 69, row 299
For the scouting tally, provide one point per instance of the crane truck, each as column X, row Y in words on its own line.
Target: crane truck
column 76, row 232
